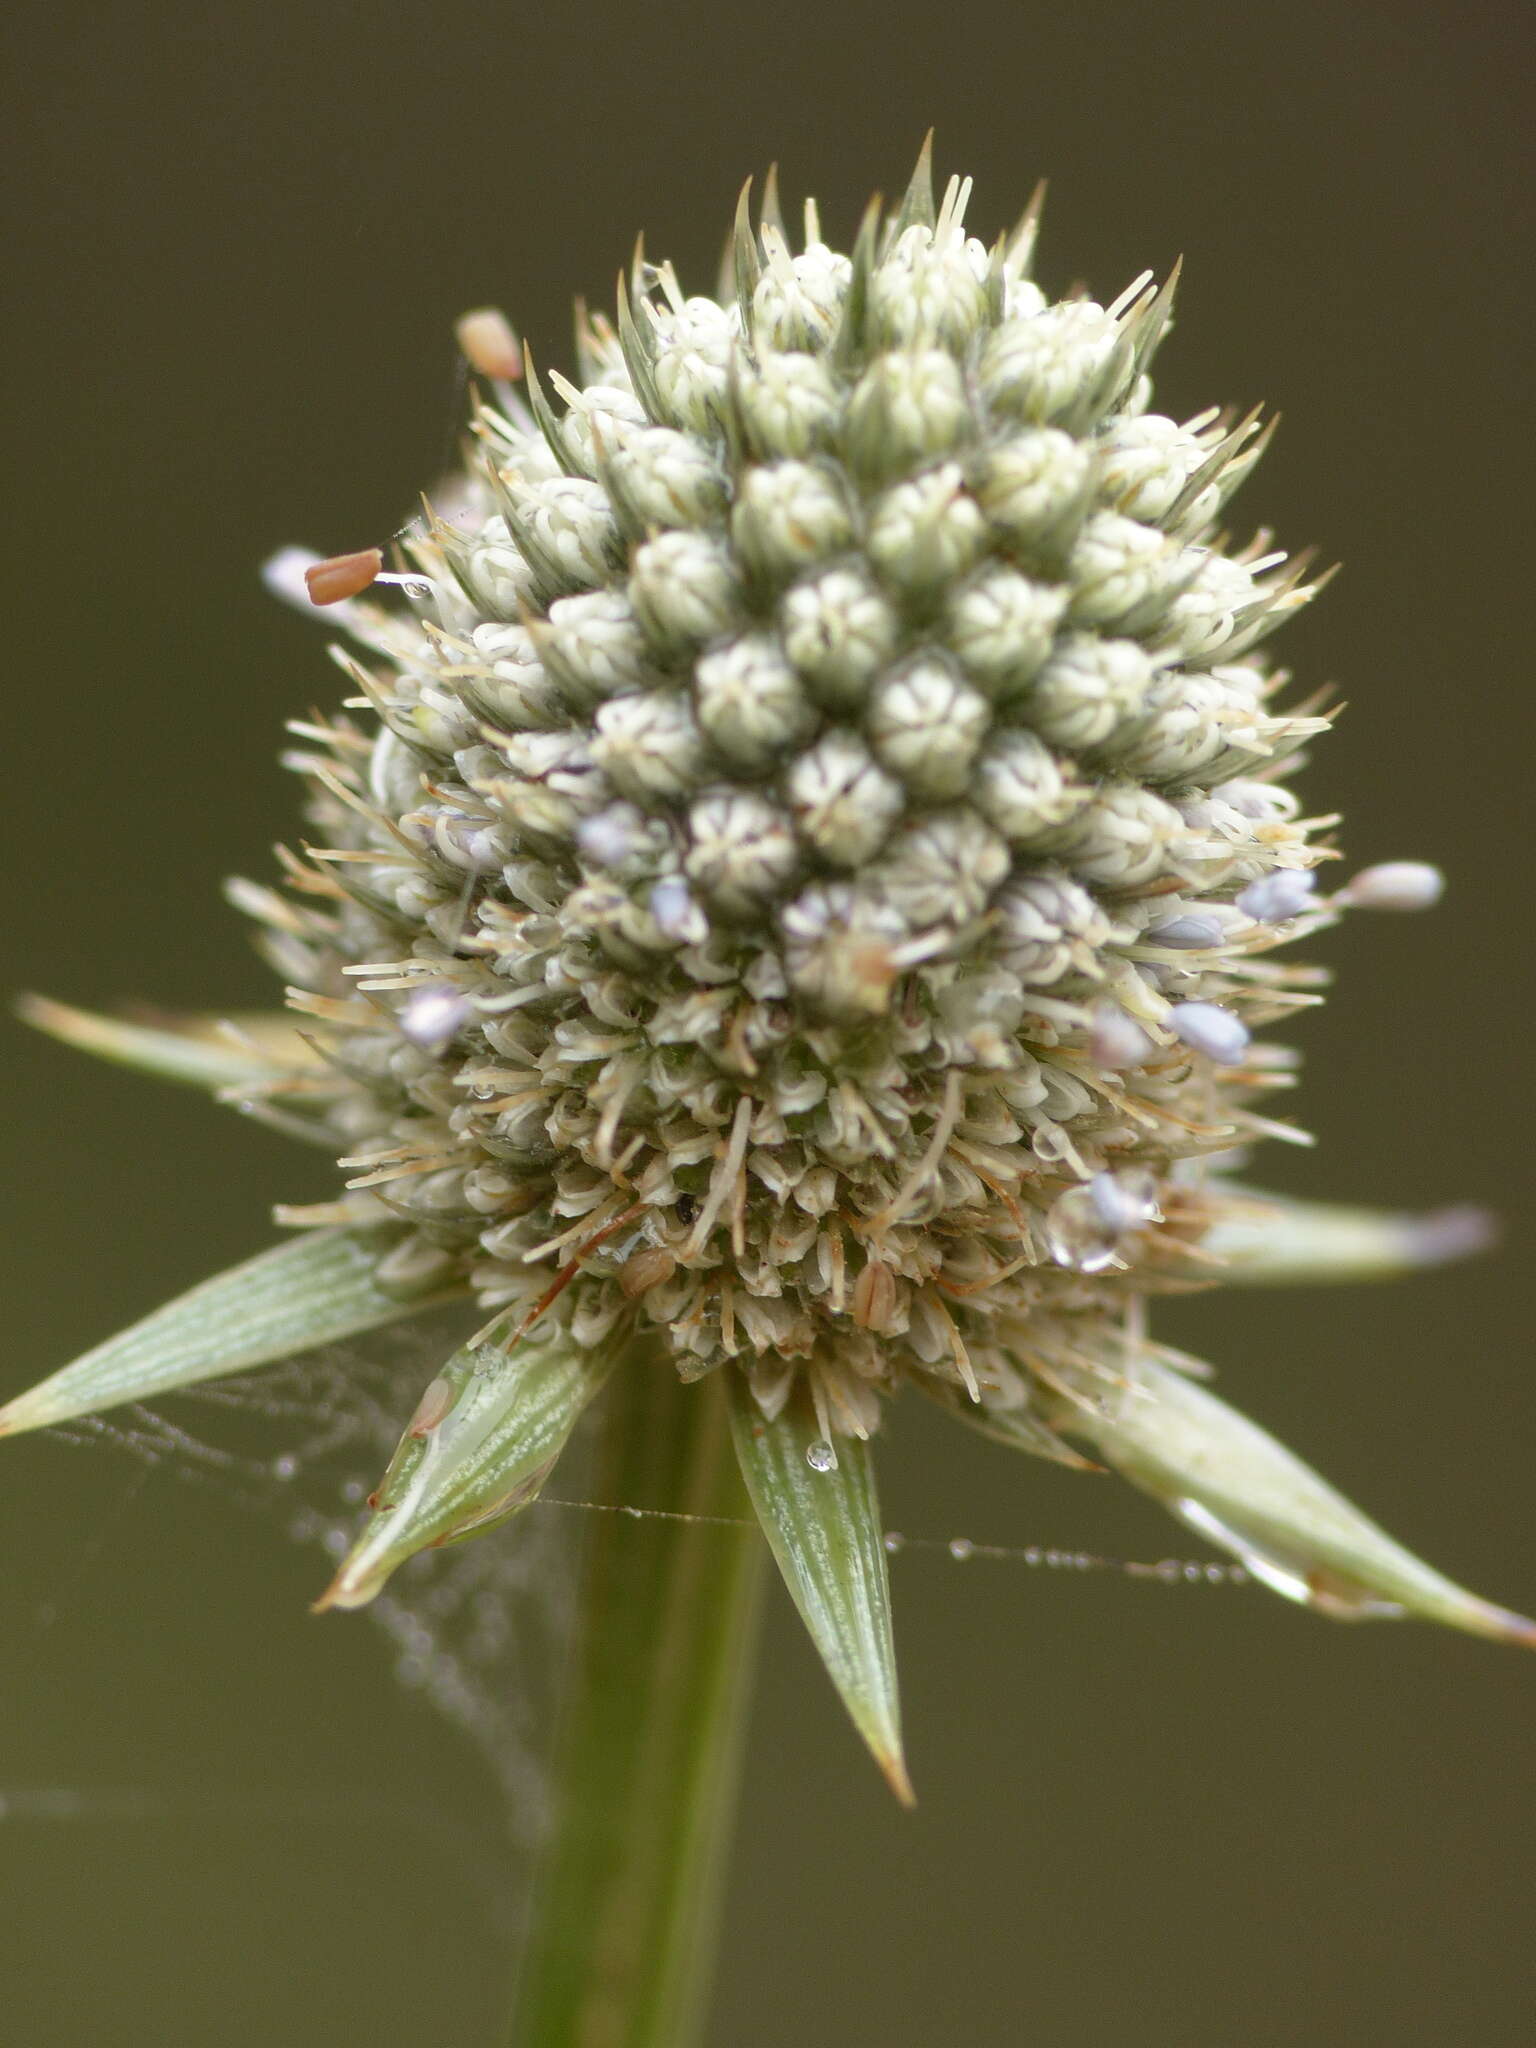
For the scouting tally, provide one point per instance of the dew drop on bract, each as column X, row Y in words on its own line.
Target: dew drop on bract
column 820, row 1456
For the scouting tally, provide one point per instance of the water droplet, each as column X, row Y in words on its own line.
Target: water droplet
column 820, row 1456
column 960, row 1548
column 894, row 1542
column 285, row 1467
column 353, row 1491
column 1076, row 1235
column 1124, row 1201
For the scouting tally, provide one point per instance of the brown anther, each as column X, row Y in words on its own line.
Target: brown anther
column 488, row 344
column 870, row 972
column 342, row 576
column 650, row 1267
column 432, row 1407
column 874, row 1296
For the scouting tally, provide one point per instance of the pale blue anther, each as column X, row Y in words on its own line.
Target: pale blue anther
column 1208, row 1028
column 1275, row 897
column 1191, row 931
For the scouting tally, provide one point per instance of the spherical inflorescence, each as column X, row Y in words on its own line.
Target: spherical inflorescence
column 815, row 873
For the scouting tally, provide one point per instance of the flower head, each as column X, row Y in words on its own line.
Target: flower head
column 794, row 893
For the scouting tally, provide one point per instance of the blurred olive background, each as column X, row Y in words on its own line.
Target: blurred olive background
column 236, row 240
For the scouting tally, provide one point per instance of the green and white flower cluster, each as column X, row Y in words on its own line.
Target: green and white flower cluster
column 796, row 900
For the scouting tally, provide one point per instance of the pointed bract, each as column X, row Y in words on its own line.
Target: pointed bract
column 823, row 1526
column 1018, row 1429
column 480, row 1446
column 917, row 208
column 1271, row 1241
column 1235, row 1485
column 315, row 1290
column 200, row 1052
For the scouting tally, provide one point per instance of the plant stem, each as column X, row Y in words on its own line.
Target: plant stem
column 627, row 1909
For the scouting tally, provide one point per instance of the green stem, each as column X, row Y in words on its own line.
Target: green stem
column 627, row 1909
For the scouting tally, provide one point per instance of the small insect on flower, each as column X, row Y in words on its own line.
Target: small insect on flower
column 799, row 909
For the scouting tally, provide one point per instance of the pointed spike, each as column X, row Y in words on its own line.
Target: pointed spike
column 543, row 412
column 1235, row 1485
column 770, row 213
column 725, row 269
column 746, row 264
column 1150, row 320
column 730, row 417
column 917, row 207
column 636, row 341
column 997, row 280
column 1244, row 461
column 824, row 1529
column 849, row 346
column 315, row 1290
column 199, row 1052
column 1018, row 1428
column 1023, row 240
column 484, row 1438
column 585, row 340
column 630, row 521
column 1272, row 1241
column 1224, row 458
column 551, row 573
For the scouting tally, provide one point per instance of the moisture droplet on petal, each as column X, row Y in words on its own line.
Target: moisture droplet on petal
column 820, row 1456
column 1124, row 1201
column 1077, row 1236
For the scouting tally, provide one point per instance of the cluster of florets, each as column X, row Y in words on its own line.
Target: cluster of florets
column 811, row 888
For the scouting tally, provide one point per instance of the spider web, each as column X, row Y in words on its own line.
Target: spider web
column 477, row 1630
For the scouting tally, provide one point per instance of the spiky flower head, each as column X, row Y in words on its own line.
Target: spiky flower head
column 794, row 890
